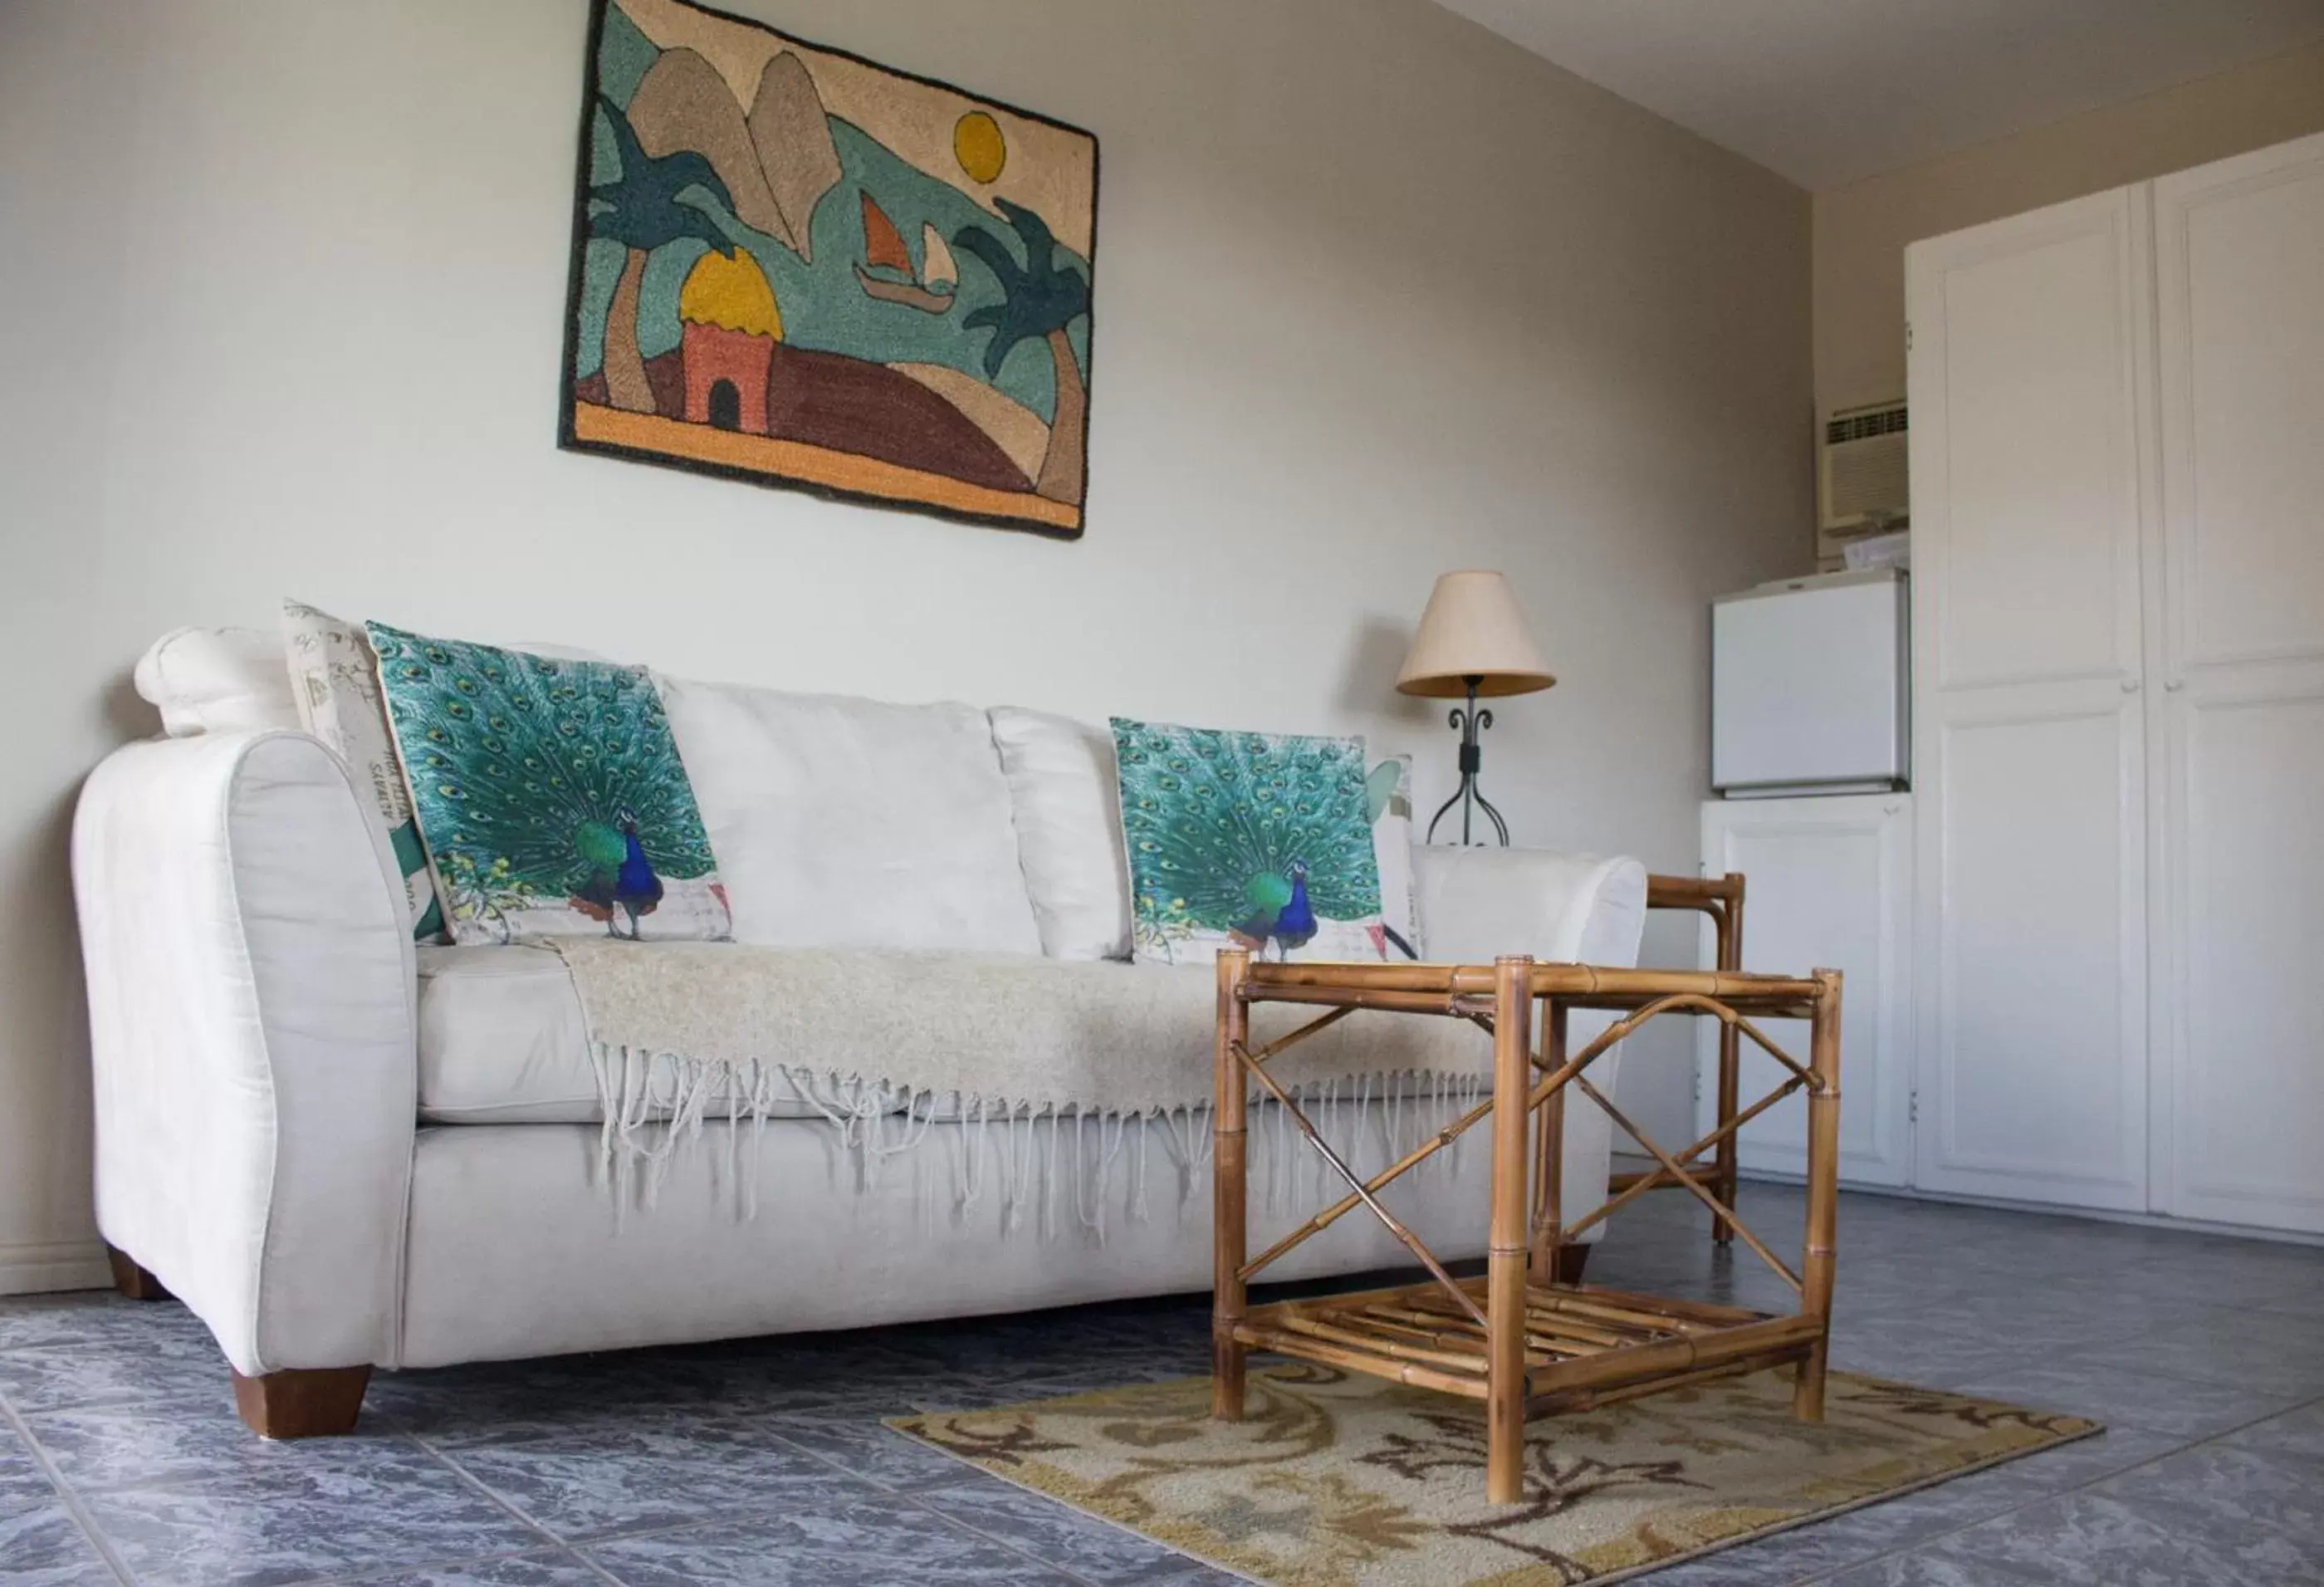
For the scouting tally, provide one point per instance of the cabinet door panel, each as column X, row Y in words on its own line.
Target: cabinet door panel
column 2025, row 505
column 1827, row 886
column 2247, row 863
column 2240, row 260
column 2033, row 1080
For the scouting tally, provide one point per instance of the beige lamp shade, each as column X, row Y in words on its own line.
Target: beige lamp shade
column 1472, row 629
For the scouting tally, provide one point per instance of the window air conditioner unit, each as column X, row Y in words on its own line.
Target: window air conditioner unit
column 1861, row 482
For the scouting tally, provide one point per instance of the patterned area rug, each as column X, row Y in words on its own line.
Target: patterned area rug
column 1337, row 1479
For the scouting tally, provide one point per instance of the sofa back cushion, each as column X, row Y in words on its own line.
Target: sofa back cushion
column 1476, row 904
column 1061, row 788
column 849, row 822
column 218, row 680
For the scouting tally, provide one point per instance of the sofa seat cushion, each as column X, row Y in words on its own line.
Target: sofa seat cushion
column 503, row 1039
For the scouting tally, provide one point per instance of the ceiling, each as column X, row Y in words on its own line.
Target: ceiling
column 1828, row 92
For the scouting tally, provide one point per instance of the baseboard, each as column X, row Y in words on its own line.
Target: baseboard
column 71, row 1264
column 2051, row 1210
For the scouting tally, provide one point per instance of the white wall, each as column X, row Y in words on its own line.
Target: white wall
column 1861, row 230
column 1378, row 294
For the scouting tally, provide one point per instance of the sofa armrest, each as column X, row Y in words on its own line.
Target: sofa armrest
column 251, row 991
column 1475, row 904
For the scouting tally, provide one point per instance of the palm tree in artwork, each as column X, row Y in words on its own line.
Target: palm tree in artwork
column 1038, row 300
column 643, row 210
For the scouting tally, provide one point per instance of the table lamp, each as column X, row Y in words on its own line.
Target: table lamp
column 1472, row 641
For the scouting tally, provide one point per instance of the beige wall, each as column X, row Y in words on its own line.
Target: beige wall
column 1378, row 294
column 1861, row 231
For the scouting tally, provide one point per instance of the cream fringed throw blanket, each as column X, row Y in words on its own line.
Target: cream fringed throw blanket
column 885, row 1046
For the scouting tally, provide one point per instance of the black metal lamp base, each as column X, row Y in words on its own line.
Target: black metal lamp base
column 1469, row 721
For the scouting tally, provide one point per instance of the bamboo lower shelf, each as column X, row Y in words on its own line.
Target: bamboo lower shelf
column 1584, row 1346
column 1515, row 1339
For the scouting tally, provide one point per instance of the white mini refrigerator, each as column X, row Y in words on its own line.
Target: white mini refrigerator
column 1810, row 686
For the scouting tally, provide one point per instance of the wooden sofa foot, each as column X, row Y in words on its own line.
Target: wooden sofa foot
column 1571, row 1261
column 132, row 1280
column 302, row 1402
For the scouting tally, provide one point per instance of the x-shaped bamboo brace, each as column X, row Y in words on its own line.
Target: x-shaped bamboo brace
column 1671, row 1167
column 1339, row 1166
column 1364, row 1192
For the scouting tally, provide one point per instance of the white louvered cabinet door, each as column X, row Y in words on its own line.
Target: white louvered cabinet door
column 2239, row 717
column 2032, row 500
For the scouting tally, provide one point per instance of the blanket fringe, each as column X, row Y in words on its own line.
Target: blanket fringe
column 1032, row 1155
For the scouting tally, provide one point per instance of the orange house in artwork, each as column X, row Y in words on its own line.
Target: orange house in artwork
column 728, row 326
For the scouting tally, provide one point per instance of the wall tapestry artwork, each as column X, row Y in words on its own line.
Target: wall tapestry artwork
column 794, row 267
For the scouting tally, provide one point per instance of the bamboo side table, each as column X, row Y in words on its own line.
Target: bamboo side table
column 1518, row 1340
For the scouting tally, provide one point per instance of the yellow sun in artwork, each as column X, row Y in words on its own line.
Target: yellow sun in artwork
column 977, row 143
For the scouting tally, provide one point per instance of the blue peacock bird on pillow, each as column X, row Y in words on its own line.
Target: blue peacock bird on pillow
column 1265, row 840
column 622, row 878
column 543, row 785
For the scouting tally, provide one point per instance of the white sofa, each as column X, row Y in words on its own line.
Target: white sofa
column 344, row 1151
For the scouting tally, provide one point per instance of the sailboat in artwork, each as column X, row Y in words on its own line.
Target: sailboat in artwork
column 938, row 271
column 884, row 249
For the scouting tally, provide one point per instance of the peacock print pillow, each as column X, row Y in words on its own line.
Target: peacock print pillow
column 1257, row 840
column 1387, row 798
column 551, row 795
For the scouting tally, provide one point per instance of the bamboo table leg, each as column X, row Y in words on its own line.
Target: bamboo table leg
column 1228, row 1230
column 1730, row 921
column 1720, row 902
column 1823, row 1194
column 1507, row 1250
column 1549, row 1156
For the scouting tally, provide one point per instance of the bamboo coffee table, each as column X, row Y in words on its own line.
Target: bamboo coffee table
column 1515, row 1339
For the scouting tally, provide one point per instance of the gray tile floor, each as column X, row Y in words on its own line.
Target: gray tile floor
column 765, row 1461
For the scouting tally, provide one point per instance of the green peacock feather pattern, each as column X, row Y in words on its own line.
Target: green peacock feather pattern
column 1261, row 838
column 530, row 776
